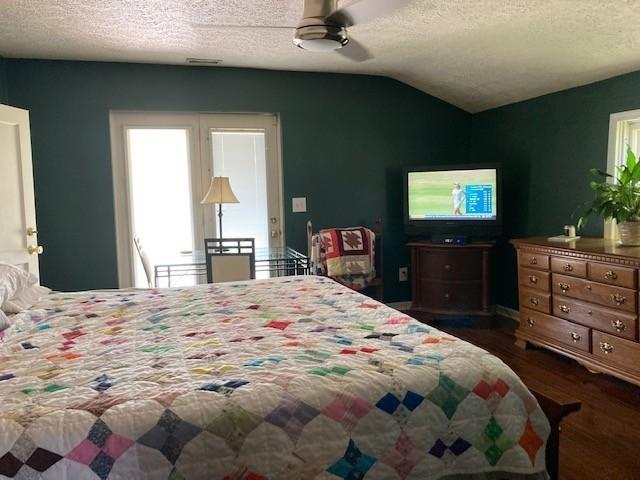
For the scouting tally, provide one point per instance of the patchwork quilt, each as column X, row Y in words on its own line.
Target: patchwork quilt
column 345, row 255
column 292, row 378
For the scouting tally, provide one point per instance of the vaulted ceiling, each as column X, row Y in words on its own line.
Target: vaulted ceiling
column 476, row 54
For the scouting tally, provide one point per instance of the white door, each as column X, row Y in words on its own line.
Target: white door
column 154, row 157
column 244, row 147
column 162, row 168
column 18, row 233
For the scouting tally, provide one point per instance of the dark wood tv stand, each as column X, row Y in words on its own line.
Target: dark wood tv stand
column 450, row 280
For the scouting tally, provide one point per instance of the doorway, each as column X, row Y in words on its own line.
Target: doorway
column 163, row 164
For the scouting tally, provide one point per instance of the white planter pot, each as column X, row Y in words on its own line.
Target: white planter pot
column 629, row 233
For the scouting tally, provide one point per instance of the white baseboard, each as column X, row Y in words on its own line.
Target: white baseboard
column 499, row 309
column 400, row 305
column 508, row 312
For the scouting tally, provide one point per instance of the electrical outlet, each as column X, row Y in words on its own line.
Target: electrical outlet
column 403, row 274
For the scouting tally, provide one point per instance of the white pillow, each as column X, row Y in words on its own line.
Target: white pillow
column 13, row 280
column 25, row 299
column 4, row 321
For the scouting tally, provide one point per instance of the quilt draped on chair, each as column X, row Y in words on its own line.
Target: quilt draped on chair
column 345, row 254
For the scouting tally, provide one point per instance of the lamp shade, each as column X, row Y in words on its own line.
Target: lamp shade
column 220, row 192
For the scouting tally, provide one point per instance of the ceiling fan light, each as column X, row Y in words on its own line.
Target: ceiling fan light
column 321, row 38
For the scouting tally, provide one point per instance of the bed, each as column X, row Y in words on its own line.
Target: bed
column 289, row 378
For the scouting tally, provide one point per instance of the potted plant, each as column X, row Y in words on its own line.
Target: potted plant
column 618, row 198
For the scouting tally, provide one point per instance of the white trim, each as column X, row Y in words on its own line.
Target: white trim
column 618, row 130
column 120, row 122
column 499, row 310
column 199, row 160
column 507, row 312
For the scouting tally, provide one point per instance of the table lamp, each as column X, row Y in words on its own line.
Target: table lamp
column 219, row 192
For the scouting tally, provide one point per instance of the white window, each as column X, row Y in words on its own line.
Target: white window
column 624, row 129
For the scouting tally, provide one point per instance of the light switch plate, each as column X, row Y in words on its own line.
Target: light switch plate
column 299, row 204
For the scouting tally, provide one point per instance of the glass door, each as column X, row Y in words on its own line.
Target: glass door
column 162, row 168
column 244, row 148
column 162, row 214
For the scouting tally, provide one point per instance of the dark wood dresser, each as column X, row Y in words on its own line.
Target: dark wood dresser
column 581, row 299
column 450, row 280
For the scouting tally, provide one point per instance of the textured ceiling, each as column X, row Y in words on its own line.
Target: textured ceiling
column 475, row 54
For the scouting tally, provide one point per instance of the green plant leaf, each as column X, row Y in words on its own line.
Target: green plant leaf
column 619, row 200
column 597, row 171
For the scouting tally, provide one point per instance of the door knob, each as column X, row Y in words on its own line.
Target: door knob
column 35, row 249
column 31, row 231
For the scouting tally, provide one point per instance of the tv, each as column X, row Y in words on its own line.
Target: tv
column 453, row 200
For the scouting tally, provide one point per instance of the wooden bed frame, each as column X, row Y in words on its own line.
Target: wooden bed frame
column 377, row 282
column 555, row 406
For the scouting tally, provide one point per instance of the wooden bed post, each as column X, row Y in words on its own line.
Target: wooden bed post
column 555, row 406
column 309, row 236
column 379, row 260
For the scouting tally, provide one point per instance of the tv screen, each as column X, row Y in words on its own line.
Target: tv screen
column 452, row 195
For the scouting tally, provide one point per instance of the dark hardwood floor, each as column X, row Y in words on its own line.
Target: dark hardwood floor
column 602, row 440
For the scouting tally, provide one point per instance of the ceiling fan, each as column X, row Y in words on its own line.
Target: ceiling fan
column 323, row 27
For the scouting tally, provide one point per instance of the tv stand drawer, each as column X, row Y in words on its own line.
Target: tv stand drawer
column 450, row 280
column 448, row 265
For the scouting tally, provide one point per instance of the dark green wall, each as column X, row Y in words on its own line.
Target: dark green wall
column 547, row 146
column 345, row 140
column 4, row 95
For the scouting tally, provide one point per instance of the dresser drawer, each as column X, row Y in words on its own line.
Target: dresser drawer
column 560, row 331
column 608, row 320
column 616, row 350
column 533, row 260
column 535, row 300
column 568, row 266
column 535, row 279
column 607, row 295
column 451, row 265
column 613, row 275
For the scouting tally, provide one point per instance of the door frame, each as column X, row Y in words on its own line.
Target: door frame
column 119, row 122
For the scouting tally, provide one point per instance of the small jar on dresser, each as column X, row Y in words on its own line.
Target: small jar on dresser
column 580, row 299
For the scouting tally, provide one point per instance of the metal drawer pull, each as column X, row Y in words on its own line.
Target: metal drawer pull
column 619, row 299
column 618, row 325
column 611, row 275
column 533, row 261
column 564, row 287
column 447, row 296
column 575, row 337
column 533, row 279
column 447, row 268
column 568, row 267
column 531, row 321
column 564, row 309
column 534, row 301
column 607, row 348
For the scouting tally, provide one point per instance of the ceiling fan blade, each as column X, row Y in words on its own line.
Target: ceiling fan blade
column 362, row 11
column 213, row 26
column 355, row 51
